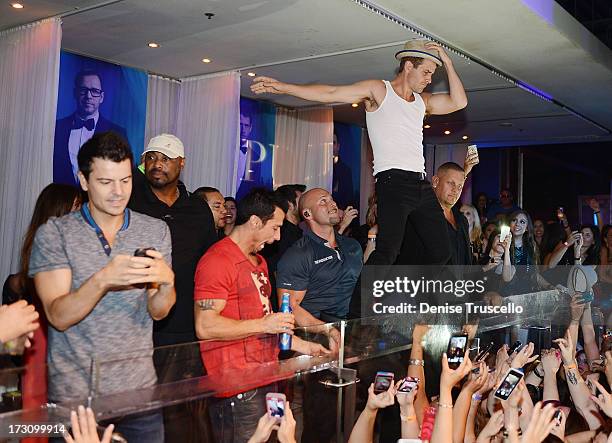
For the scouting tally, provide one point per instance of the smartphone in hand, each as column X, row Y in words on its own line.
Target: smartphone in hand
column 456, row 350
column 275, row 405
column 383, row 381
column 408, row 385
column 510, row 381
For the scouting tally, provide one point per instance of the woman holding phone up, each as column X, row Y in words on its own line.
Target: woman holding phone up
column 520, row 272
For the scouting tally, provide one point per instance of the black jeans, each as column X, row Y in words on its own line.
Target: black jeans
column 186, row 422
column 404, row 197
column 235, row 419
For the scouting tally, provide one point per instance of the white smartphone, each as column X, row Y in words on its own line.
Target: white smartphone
column 504, row 232
column 275, row 404
column 512, row 378
column 472, row 149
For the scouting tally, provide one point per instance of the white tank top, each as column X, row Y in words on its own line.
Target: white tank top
column 396, row 133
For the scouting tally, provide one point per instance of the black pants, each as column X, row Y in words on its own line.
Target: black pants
column 235, row 419
column 404, row 197
column 187, row 422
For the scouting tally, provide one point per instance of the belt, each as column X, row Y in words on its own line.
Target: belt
column 402, row 172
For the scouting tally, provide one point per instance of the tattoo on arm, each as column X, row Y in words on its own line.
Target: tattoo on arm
column 571, row 377
column 206, row 305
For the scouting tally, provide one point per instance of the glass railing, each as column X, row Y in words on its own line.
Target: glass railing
column 326, row 385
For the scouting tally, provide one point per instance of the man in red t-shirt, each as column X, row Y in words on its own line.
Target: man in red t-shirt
column 232, row 312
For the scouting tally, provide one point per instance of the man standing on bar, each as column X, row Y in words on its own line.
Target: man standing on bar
column 394, row 114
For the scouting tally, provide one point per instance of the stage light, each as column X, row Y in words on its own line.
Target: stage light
column 251, row 74
column 446, row 132
column 427, row 126
column 153, row 45
column 206, row 60
column 17, row 5
column 465, row 137
column 354, row 105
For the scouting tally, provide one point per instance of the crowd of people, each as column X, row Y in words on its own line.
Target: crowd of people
column 137, row 262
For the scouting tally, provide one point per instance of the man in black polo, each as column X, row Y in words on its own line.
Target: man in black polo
column 287, row 197
column 159, row 193
column 319, row 271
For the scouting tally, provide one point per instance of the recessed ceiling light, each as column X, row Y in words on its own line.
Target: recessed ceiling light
column 153, row 45
column 17, row 5
column 354, row 105
column 206, row 60
column 251, row 74
column 506, row 124
column 465, row 137
column 427, row 126
column 447, row 132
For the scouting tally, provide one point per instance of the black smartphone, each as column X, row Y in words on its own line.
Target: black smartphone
column 515, row 347
column 512, row 378
column 382, row 381
column 456, row 350
column 142, row 252
column 483, row 352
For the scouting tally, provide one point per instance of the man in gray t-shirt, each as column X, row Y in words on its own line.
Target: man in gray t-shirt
column 99, row 298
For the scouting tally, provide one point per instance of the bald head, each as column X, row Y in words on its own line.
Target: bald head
column 317, row 206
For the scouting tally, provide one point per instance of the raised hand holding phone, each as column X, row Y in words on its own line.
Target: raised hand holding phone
column 455, row 352
column 508, row 384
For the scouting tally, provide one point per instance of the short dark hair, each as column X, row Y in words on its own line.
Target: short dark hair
column 286, row 194
column 86, row 73
column 416, row 62
column 299, row 187
column 106, row 145
column 449, row 166
column 230, row 199
column 260, row 202
column 203, row 190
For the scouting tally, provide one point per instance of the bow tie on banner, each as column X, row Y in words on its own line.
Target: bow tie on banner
column 90, row 123
column 243, row 148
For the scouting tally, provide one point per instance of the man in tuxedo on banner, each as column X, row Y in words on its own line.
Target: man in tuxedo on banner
column 73, row 131
column 250, row 158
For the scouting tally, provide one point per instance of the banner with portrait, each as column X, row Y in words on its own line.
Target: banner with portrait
column 96, row 96
column 257, row 126
column 347, row 165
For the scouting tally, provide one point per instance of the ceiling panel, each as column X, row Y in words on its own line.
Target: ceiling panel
column 242, row 33
column 37, row 9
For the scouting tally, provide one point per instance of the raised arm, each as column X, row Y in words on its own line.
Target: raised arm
column 456, row 98
column 443, row 426
column 369, row 90
column 363, row 430
column 579, row 391
column 416, row 368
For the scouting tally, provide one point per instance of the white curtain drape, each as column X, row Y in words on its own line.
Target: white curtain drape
column 29, row 79
column 208, row 125
column 163, row 96
column 304, row 147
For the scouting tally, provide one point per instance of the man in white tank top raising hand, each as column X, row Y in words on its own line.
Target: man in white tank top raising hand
column 394, row 114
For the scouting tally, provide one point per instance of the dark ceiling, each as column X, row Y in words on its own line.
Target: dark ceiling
column 595, row 15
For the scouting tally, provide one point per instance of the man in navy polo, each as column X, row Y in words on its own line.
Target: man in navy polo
column 319, row 271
